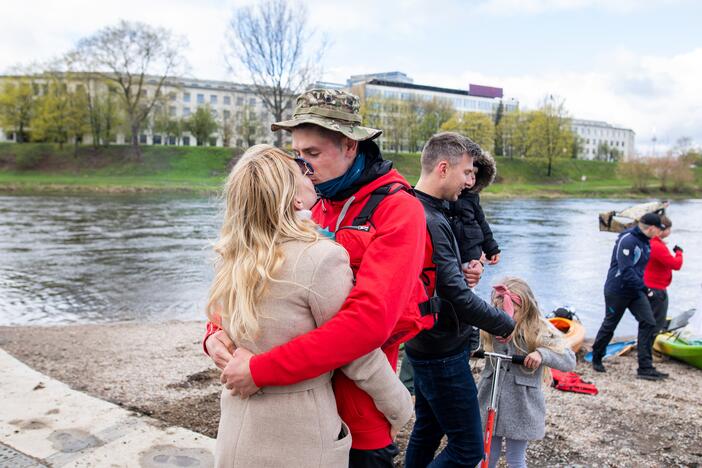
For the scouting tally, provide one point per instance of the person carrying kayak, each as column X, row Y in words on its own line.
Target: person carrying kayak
column 659, row 273
column 625, row 289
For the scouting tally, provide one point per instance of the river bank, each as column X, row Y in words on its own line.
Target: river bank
column 42, row 168
column 158, row 369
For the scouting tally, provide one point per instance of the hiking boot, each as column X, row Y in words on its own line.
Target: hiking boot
column 650, row 374
column 662, row 374
column 597, row 366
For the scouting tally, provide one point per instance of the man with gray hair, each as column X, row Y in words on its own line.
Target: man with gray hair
column 446, row 395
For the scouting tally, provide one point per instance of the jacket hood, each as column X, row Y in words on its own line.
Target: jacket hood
column 487, row 170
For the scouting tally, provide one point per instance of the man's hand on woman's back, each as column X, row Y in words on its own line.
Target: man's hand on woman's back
column 220, row 348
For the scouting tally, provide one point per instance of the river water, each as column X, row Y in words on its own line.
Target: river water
column 100, row 258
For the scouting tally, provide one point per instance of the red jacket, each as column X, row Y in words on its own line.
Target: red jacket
column 659, row 270
column 380, row 312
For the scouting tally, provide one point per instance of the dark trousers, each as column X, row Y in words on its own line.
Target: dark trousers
column 446, row 404
column 659, row 306
column 379, row 458
column 614, row 310
column 406, row 373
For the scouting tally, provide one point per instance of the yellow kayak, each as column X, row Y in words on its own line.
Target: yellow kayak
column 573, row 330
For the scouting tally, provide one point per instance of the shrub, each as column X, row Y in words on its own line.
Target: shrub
column 640, row 172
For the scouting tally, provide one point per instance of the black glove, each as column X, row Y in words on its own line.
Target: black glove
column 677, row 248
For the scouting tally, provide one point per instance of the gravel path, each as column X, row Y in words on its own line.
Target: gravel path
column 159, row 369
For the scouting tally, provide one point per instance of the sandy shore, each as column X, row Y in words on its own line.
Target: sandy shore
column 159, row 369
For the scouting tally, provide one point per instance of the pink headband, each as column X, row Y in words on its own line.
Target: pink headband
column 508, row 298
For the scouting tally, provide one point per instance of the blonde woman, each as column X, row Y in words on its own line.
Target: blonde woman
column 522, row 409
column 277, row 278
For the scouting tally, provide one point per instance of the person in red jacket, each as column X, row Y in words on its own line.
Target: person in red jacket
column 659, row 273
column 386, row 250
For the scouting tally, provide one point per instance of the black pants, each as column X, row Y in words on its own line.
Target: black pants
column 379, row 458
column 659, row 306
column 614, row 310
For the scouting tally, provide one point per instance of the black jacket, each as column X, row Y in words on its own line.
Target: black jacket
column 629, row 259
column 470, row 227
column 460, row 307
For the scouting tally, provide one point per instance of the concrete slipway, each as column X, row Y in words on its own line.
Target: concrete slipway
column 43, row 422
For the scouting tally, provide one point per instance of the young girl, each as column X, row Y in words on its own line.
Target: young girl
column 521, row 408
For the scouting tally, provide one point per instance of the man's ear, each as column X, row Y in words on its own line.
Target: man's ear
column 442, row 168
column 349, row 146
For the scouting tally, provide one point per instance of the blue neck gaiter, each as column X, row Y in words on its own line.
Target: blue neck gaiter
column 331, row 187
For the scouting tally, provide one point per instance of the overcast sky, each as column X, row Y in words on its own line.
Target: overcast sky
column 637, row 63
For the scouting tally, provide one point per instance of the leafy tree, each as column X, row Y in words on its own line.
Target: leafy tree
column 550, row 133
column 434, row 114
column 513, row 133
column 607, row 153
column 202, row 125
column 249, row 126
column 227, row 128
column 61, row 115
column 272, row 42
column 104, row 112
column 16, row 107
column 477, row 126
column 137, row 59
column 168, row 125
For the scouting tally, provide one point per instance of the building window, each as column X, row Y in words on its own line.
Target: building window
column 172, row 96
column 171, row 110
column 186, row 111
column 252, row 101
column 186, row 97
column 239, row 142
column 227, row 100
column 186, row 141
column 227, row 114
column 171, row 140
column 200, row 98
column 239, row 101
column 157, row 139
column 142, row 139
column 213, row 141
column 213, row 99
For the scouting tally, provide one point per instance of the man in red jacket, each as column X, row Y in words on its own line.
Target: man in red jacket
column 659, row 273
column 386, row 249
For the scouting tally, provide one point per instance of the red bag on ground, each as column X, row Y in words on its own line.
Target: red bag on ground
column 571, row 382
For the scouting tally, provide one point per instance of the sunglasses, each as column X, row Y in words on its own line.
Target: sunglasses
column 305, row 167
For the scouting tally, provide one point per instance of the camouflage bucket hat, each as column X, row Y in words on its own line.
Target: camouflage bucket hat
column 332, row 109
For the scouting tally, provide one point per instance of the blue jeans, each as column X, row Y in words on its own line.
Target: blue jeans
column 446, row 404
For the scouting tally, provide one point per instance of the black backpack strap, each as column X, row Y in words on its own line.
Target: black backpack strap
column 374, row 200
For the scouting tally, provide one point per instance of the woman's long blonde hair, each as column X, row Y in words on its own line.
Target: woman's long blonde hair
column 531, row 330
column 259, row 215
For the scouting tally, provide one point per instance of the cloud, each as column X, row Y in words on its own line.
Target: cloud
column 512, row 7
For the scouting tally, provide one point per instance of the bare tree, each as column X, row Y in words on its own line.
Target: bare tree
column 137, row 58
column 272, row 42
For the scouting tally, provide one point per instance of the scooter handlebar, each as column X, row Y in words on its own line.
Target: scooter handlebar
column 516, row 359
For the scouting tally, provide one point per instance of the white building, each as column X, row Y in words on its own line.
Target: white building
column 399, row 86
column 228, row 102
column 595, row 134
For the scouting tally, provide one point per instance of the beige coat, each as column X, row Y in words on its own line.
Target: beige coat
column 298, row 425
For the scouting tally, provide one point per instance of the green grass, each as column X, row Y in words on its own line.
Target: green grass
column 42, row 167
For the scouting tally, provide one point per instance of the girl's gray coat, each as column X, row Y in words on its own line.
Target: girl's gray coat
column 521, row 410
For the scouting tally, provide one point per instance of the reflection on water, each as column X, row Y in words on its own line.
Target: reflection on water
column 73, row 259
